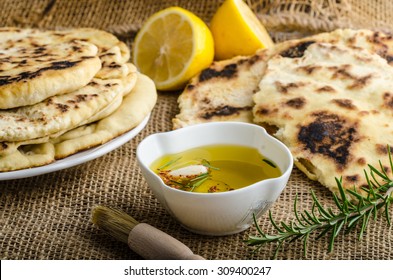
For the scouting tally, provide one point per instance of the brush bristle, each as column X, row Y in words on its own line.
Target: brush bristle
column 115, row 222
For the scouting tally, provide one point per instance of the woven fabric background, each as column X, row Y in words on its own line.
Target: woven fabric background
column 48, row 216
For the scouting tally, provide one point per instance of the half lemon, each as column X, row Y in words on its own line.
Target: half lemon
column 172, row 46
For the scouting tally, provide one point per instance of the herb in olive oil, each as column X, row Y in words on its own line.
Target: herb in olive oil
column 215, row 168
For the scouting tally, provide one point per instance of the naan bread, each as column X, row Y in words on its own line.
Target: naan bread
column 28, row 157
column 31, row 71
column 223, row 92
column 135, row 107
column 333, row 107
column 61, row 112
column 37, row 64
column 7, row 148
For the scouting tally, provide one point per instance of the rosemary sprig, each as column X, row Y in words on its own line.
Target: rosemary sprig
column 206, row 163
column 346, row 217
column 195, row 182
column 169, row 163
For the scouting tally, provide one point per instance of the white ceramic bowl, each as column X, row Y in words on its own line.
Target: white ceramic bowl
column 216, row 213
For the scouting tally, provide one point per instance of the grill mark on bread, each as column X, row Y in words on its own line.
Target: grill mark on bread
column 360, row 82
column 57, row 65
column 388, row 100
column 39, row 50
column 296, row 50
column 326, row 89
column 62, row 107
column 223, row 111
column 297, row 103
column 344, row 103
column 342, row 72
column 329, row 135
column 352, row 179
column 229, row 71
column 265, row 111
column 309, row 69
column 92, row 83
column 382, row 149
column 284, row 88
column 252, row 60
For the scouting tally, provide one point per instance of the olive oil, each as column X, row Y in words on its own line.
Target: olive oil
column 227, row 168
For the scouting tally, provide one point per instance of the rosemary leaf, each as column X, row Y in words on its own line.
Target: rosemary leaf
column 296, row 212
column 165, row 165
column 332, row 237
column 274, row 224
column 322, row 211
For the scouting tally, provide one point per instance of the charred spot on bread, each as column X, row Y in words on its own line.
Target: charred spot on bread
column 57, row 65
column 361, row 161
column 352, row 179
column 39, row 50
column 388, row 100
column 296, row 50
column 229, row 71
column 62, row 107
column 262, row 111
column 309, row 69
column 285, row 88
column 360, row 82
column 344, row 103
column 326, row 89
column 329, row 135
column 297, row 103
column 223, row 111
column 382, row 149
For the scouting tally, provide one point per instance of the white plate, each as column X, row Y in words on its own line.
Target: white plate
column 76, row 159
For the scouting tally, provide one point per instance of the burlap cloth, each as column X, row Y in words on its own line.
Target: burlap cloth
column 48, row 216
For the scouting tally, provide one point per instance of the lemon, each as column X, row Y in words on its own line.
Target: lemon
column 172, row 46
column 237, row 31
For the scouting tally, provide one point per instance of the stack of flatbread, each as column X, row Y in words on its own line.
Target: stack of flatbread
column 62, row 92
column 328, row 97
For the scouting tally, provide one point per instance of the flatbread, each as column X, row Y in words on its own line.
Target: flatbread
column 7, row 148
column 333, row 107
column 31, row 71
column 224, row 91
column 134, row 108
column 37, row 64
column 61, row 112
column 211, row 97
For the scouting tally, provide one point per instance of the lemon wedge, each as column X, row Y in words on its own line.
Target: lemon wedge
column 172, row 46
column 237, row 31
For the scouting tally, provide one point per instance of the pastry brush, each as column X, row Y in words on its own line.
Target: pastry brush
column 143, row 239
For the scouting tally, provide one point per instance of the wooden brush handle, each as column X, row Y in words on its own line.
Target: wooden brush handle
column 153, row 244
